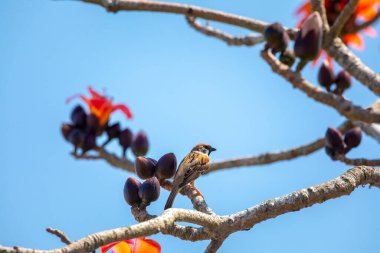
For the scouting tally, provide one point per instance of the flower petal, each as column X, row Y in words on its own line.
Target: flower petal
column 94, row 93
column 354, row 40
column 142, row 245
column 370, row 31
column 127, row 112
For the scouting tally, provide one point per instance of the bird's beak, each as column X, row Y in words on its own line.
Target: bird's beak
column 212, row 149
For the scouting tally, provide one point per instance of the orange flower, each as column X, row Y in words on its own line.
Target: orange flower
column 365, row 11
column 102, row 106
column 138, row 245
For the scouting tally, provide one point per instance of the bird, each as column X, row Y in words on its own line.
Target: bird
column 195, row 164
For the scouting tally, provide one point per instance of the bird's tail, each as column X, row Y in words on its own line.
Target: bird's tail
column 171, row 198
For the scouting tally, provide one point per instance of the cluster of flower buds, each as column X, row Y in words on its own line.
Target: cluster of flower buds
column 327, row 79
column 153, row 172
column 277, row 40
column 337, row 145
column 85, row 128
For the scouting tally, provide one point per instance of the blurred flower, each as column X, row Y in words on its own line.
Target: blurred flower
column 102, row 106
column 365, row 11
column 137, row 245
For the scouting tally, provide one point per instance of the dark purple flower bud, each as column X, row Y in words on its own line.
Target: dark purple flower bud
column 140, row 144
column 166, row 166
column 78, row 116
column 92, row 123
column 334, row 140
column 125, row 138
column 331, row 153
column 343, row 82
column 149, row 191
column 353, row 138
column 65, row 130
column 308, row 42
column 276, row 37
column 145, row 167
column 326, row 76
column 131, row 191
column 113, row 131
column 89, row 142
column 76, row 137
column 288, row 58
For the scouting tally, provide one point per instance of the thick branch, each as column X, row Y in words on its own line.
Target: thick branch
column 220, row 227
column 339, row 103
column 249, row 40
column 342, row 19
column 295, row 201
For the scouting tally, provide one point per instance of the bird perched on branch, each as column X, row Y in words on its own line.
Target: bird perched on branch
column 196, row 163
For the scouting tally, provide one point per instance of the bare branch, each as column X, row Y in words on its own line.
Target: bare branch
column 219, row 228
column 339, row 103
column 272, row 157
column 266, row 158
column 249, row 40
column 60, row 234
column 359, row 161
column 319, row 6
column 214, row 245
column 295, row 201
column 342, row 19
column 184, row 9
column 112, row 159
column 371, row 130
column 353, row 65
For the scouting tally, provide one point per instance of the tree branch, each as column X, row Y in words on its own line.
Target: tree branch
column 339, row 103
column 359, row 161
column 60, row 234
column 184, row 9
column 249, row 40
column 219, row 228
column 341, row 20
column 371, row 130
column 319, row 6
column 353, row 65
column 295, row 201
column 266, row 158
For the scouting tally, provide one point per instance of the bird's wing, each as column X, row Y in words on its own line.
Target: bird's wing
column 192, row 167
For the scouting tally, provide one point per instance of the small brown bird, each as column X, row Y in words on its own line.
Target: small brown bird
column 196, row 163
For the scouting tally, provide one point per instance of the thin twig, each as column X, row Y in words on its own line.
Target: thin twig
column 60, row 234
column 342, row 19
column 359, row 161
column 319, row 6
column 249, row 40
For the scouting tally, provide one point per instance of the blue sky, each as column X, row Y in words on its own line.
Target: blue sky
column 183, row 88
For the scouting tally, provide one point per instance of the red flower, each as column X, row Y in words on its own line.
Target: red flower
column 102, row 106
column 137, row 245
column 366, row 10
